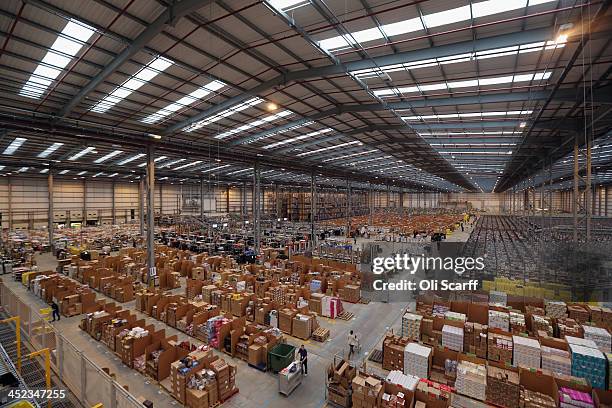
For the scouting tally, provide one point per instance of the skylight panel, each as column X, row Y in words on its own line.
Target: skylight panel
column 258, row 122
column 350, row 155
column 467, row 115
column 228, row 112
column 329, row 148
column 147, row 73
column 184, row 166
column 297, row 138
column 131, row 159
column 69, row 42
column 447, row 17
column 287, row 5
column 82, row 153
column 49, row 150
column 185, row 101
column 15, row 144
column 108, row 156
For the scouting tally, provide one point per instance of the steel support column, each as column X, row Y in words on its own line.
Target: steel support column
column 141, row 205
column 10, row 202
column 50, row 214
column 313, row 208
column 257, row 207
column 370, row 204
column 582, row 211
column 348, row 208
column 202, row 199
column 151, row 214
column 113, row 209
column 243, row 202
column 84, row 215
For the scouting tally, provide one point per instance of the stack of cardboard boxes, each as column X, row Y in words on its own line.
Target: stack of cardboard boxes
column 339, row 381
column 503, row 388
column 367, row 392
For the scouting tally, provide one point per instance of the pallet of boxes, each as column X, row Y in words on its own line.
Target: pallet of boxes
column 367, row 392
column 339, row 382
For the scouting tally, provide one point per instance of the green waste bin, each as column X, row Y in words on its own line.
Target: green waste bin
column 280, row 357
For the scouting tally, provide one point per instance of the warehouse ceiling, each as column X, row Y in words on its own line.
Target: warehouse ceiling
column 425, row 95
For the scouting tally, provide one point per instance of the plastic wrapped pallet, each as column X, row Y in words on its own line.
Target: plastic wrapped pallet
column 527, row 352
column 589, row 363
column 411, row 326
column 600, row 336
column 461, row 317
column 556, row 309
column 498, row 298
column 569, row 398
column 417, row 359
column 499, row 320
column 503, row 387
column 408, row 382
column 556, row 361
column 452, row 337
column 471, row 380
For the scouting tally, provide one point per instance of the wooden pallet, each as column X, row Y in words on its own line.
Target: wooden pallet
column 321, row 334
column 376, row 356
column 345, row 316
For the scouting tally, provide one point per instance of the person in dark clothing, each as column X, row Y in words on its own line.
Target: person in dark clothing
column 55, row 310
column 303, row 359
column 462, row 227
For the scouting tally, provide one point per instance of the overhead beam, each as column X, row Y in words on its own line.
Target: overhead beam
column 169, row 16
column 483, row 44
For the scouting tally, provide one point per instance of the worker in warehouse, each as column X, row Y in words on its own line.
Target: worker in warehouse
column 352, row 343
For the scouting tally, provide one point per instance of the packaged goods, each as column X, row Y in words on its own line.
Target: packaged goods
column 471, row 380
column 569, row 398
column 452, row 337
column 500, row 348
column 534, row 399
column 527, row 352
column 503, row 387
column 589, row 363
column 499, row 320
column 417, row 360
column 556, row 361
column 556, row 309
column 408, row 382
column 461, row 317
column 498, row 298
column 411, row 326
column 600, row 336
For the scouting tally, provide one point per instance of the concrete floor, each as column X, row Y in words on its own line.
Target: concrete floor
column 257, row 389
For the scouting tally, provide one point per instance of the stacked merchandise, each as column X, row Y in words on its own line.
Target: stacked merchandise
column 393, row 401
column 500, row 348
column 350, row 293
column 212, row 330
column 452, row 337
column 367, row 392
column 331, row 307
column 440, row 310
column 600, row 336
column 417, row 359
column 589, row 363
column 424, row 308
column 408, row 382
column 278, row 294
column 450, row 368
column 557, row 361
column 339, row 380
column 201, row 389
column 303, row 325
column 517, row 323
column 440, row 393
column 534, row 399
column 315, row 286
column 569, row 398
column 569, row 327
column 527, row 352
column 578, row 313
column 393, row 352
column 541, row 323
column 499, row 320
column 226, row 378
column 411, row 326
column 503, row 387
column 460, row 317
column 556, row 309
column 475, row 339
column 207, row 293
column 471, row 380
column 498, row 298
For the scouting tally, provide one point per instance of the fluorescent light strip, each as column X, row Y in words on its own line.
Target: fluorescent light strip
column 476, row 152
column 509, row 132
column 215, row 168
column 467, row 115
column 171, row 163
column 131, row 159
column 297, row 138
column 43, row 171
column 258, row 122
column 98, row 174
column 239, row 171
column 63, row 171
column 228, row 112
column 188, row 165
column 82, row 153
column 146, row 74
column 279, row 132
column 68, row 43
column 108, row 156
column 329, row 148
column 81, row 173
column 445, row 17
column 287, row 5
column 15, row 144
column 49, row 150
column 185, row 101
column 112, row 175
column 465, row 84
column 23, row 170
column 155, row 161
column 350, row 155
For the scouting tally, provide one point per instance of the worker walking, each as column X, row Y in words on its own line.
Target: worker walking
column 55, row 311
column 303, row 359
column 352, row 342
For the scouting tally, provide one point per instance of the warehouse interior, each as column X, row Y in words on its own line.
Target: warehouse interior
column 194, row 194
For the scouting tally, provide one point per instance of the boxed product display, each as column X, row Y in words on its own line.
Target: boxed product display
column 367, row 392
column 600, row 336
column 499, row 320
column 411, row 326
column 503, row 388
column 589, row 363
column 471, row 380
column 527, row 352
column 452, row 337
column 417, row 360
column 556, row 361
